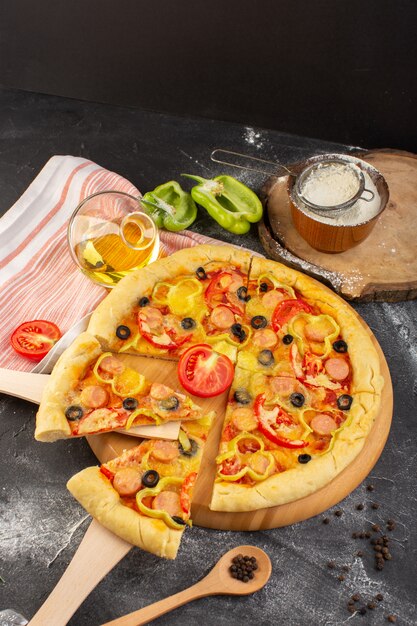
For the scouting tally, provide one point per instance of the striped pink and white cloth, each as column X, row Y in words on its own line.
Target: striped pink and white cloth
column 38, row 278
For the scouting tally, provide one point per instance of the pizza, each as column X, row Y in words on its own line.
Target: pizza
column 304, row 378
column 91, row 392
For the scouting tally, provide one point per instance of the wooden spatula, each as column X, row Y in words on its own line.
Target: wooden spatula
column 99, row 551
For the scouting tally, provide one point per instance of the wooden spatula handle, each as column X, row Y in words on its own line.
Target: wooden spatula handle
column 206, row 587
column 97, row 554
column 25, row 385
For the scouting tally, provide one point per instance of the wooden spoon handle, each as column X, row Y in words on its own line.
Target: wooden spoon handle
column 206, row 587
column 99, row 551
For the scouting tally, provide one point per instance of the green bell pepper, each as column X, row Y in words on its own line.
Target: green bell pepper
column 170, row 206
column 228, row 201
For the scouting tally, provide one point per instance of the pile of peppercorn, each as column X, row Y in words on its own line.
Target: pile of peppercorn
column 243, row 567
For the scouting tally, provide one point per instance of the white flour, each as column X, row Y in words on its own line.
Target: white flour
column 330, row 185
column 361, row 211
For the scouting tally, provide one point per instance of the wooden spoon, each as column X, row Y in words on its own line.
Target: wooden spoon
column 217, row 582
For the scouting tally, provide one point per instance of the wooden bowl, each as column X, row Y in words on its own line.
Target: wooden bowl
column 334, row 237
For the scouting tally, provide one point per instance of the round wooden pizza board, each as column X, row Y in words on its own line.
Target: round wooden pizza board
column 109, row 445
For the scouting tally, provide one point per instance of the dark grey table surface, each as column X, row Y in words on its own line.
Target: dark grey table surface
column 42, row 525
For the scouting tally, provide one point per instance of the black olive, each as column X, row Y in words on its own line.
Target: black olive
column 201, row 273
column 130, row 404
column 74, row 413
column 144, row 301
column 169, row 404
column 263, row 287
column 242, row 396
column 238, row 331
column 304, row 458
column 340, row 346
column 297, row 399
column 259, row 321
column 344, row 402
column 150, row 478
column 123, row 332
column 242, row 294
column 192, row 451
column 99, row 264
column 177, row 519
column 266, row 357
column 287, row 339
column 187, row 323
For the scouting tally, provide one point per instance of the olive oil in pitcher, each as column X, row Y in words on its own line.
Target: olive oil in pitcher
column 109, row 237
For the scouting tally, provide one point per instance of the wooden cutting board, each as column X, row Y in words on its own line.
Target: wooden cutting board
column 109, row 445
column 383, row 266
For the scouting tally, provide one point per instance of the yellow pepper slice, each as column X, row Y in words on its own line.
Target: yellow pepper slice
column 181, row 298
column 146, row 412
column 313, row 319
column 157, row 513
column 96, row 368
column 277, row 285
column 128, row 383
column 233, row 450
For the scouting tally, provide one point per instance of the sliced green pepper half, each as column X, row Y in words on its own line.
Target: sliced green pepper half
column 170, row 206
column 228, row 201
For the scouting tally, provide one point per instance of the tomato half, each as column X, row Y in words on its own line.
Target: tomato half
column 285, row 310
column 203, row 372
column 34, row 339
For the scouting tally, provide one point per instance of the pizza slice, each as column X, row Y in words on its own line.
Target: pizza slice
column 278, row 441
column 144, row 496
column 194, row 296
column 91, row 391
column 304, row 397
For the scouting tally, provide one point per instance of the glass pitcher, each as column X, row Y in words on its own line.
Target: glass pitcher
column 109, row 237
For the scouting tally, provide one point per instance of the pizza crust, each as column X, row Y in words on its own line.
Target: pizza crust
column 51, row 423
column 124, row 297
column 95, row 493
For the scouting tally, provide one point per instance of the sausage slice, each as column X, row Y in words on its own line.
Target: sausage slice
column 127, row 481
column 165, row 451
column 222, row 317
column 337, row 368
column 94, row 396
column 168, row 501
column 323, row 424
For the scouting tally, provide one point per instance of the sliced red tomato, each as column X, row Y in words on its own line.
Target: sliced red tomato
column 230, row 467
column 34, row 339
column 203, row 372
column 222, row 290
column 285, row 310
column 269, row 422
column 312, row 365
column 153, row 328
column 186, row 489
column 107, row 473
